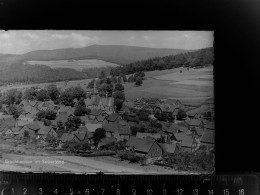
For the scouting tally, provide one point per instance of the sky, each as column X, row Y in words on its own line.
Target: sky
column 23, row 41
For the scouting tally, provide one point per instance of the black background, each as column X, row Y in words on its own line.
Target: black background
column 237, row 52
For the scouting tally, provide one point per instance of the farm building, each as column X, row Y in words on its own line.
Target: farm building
column 33, row 128
column 45, row 131
column 169, row 148
column 145, row 147
column 110, row 129
column 114, row 117
column 66, row 137
column 122, row 133
column 105, row 142
column 81, row 137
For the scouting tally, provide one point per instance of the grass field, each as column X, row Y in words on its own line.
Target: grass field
column 75, row 64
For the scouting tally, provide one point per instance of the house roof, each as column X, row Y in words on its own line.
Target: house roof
column 209, row 125
column 93, row 127
column 61, row 117
column 172, row 129
column 142, row 145
column 36, row 125
column 82, row 129
column 21, row 123
column 122, row 122
column 88, row 101
column 187, row 141
column 96, row 112
column 182, row 129
column 148, row 135
column 208, row 137
column 194, row 122
column 65, row 108
column 81, row 136
column 112, row 117
column 107, row 140
column 192, row 113
column 180, row 136
column 84, row 118
column 33, row 103
column 125, row 130
column 44, row 130
column 66, row 137
column 169, row 148
column 16, row 129
column 96, row 100
column 6, row 117
column 100, row 118
column 111, row 127
column 90, row 134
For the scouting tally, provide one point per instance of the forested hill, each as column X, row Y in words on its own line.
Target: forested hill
column 119, row 54
column 199, row 58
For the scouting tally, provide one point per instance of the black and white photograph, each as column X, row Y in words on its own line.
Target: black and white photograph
column 120, row 102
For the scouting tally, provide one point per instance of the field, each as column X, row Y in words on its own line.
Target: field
column 75, row 64
column 192, row 87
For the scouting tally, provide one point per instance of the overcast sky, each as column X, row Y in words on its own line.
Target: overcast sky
column 18, row 42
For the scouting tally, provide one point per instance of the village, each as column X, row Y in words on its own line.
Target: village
column 101, row 122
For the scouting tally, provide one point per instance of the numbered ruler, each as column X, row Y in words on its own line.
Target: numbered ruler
column 127, row 184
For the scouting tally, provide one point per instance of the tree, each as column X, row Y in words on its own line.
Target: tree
column 131, row 79
column 42, row 95
column 102, row 75
column 78, row 93
column 49, row 114
column 119, row 98
column 66, row 98
column 53, row 92
column 181, row 114
column 155, row 124
column 30, row 94
column 134, row 130
column 138, row 81
column 119, row 87
column 91, row 83
column 13, row 96
column 46, row 122
column 99, row 134
column 124, row 77
column 15, row 111
column 80, row 108
column 72, row 123
column 106, row 88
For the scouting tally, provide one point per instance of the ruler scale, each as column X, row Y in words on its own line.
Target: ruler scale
column 42, row 183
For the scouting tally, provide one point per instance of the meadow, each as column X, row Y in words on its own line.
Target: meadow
column 75, row 64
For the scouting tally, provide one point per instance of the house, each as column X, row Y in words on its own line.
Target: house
column 7, row 131
column 16, row 131
column 45, row 131
column 123, row 133
column 94, row 113
column 111, row 129
column 88, row 102
column 33, row 103
column 62, row 117
column 169, row 148
column 100, row 119
column 66, row 137
column 105, row 142
column 81, row 137
column 114, row 117
column 145, row 147
column 197, row 131
column 33, row 128
column 210, row 125
column 188, row 143
column 195, row 123
column 65, row 110
column 93, row 127
column 208, row 139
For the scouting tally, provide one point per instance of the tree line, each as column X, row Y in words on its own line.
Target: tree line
column 200, row 58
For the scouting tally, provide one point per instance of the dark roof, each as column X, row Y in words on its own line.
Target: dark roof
column 111, row 127
column 208, row 137
column 44, row 130
column 66, row 137
column 82, row 129
column 100, row 118
column 36, row 125
column 194, row 122
column 141, row 145
column 125, row 130
column 112, row 117
column 187, row 141
column 81, row 136
column 96, row 112
column 96, row 100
